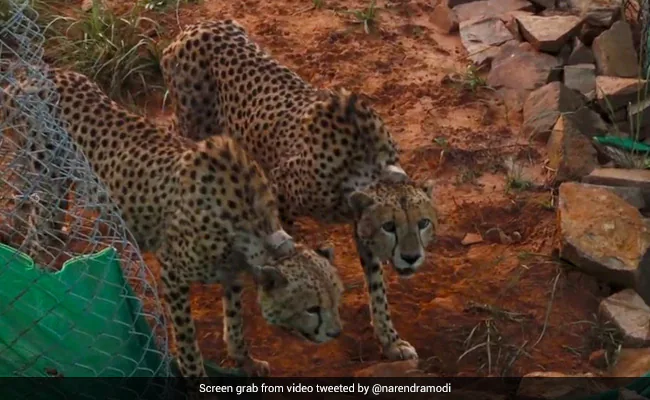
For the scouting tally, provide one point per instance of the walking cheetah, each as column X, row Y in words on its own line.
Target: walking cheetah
column 327, row 153
column 207, row 211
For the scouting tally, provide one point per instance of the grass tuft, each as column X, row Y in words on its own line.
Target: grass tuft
column 119, row 52
column 366, row 17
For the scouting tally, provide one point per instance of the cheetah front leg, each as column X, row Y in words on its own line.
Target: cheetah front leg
column 233, row 332
column 176, row 292
column 394, row 348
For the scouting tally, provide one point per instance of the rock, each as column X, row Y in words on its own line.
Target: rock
column 627, row 394
column 614, row 93
column 563, row 55
column 598, row 359
column 621, row 177
column 543, row 107
column 454, row 3
column 639, row 116
column 549, row 34
column 496, row 235
column 600, row 13
column 589, row 32
column 631, row 363
column 581, row 77
column 490, row 8
column 558, row 388
column 548, row 4
column 449, row 303
column 589, row 122
column 642, row 276
column 614, row 52
column 632, row 195
column 444, row 18
column 601, row 233
column 471, row 238
column 571, row 154
column 510, row 20
column 481, row 38
column 407, row 368
column 630, row 315
column 581, row 54
column 517, row 70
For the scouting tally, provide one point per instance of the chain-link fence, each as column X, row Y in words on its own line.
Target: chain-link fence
column 88, row 307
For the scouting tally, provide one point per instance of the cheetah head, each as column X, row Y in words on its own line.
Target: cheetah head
column 301, row 294
column 395, row 219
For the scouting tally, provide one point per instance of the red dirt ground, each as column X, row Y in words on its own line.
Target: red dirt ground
column 460, row 139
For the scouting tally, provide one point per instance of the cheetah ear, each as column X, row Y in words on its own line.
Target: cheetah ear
column 359, row 201
column 327, row 252
column 394, row 173
column 270, row 278
column 428, row 187
column 351, row 106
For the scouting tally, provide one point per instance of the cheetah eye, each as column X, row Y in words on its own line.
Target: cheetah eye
column 423, row 223
column 314, row 310
column 389, row 227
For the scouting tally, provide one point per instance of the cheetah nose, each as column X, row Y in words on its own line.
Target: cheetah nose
column 334, row 334
column 410, row 258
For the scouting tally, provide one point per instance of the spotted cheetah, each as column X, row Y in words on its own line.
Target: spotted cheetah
column 206, row 210
column 327, row 153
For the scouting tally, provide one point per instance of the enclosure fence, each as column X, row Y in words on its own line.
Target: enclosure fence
column 82, row 302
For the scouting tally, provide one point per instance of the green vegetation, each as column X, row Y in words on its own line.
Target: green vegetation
column 118, row 51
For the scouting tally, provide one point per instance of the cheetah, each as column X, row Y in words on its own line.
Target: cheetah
column 205, row 209
column 327, row 153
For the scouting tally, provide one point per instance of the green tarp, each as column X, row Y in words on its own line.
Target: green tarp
column 82, row 321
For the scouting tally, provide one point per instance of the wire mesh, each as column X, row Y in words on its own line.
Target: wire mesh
column 58, row 213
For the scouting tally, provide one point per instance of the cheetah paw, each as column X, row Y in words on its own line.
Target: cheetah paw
column 401, row 350
column 253, row 367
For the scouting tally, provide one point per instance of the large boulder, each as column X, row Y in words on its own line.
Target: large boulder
column 614, row 52
column 549, row 34
column 570, row 152
column 543, row 107
column 631, row 363
column 517, row 70
column 613, row 94
column 601, row 13
column 482, row 38
column 581, row 78
column 601, row 234
column 532, row 387
column 490, row 8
